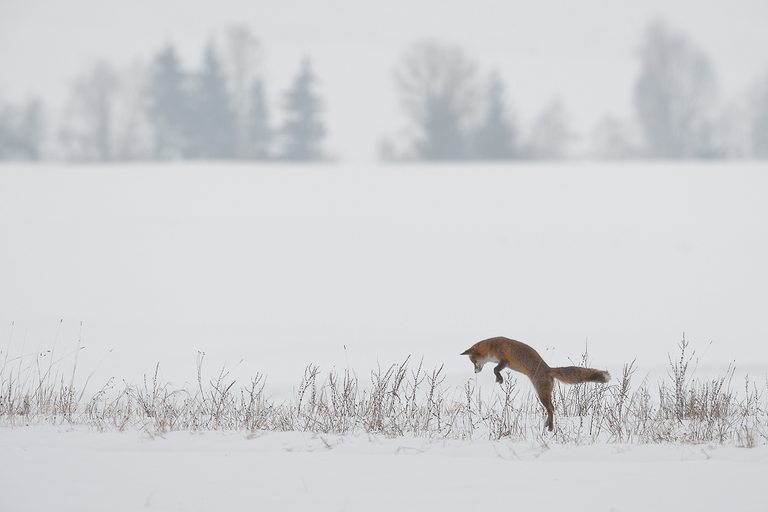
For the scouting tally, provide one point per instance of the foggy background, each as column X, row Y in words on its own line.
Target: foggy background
column 359, row 81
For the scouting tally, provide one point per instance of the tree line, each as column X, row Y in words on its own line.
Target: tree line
column 219, row 110
column 166, row 111
column 457, row 114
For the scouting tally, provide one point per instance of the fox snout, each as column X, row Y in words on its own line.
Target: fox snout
column 476, row 362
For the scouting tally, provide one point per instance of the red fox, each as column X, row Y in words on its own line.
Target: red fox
column 520, row 357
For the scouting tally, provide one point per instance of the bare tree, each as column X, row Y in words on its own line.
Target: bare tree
column 259, row 133
column 675, row 95
column 89, row 125
column 613, row 138
column 438, row 90
column 241, row 57
column 550, row 134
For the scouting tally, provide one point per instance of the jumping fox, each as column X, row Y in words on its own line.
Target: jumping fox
column 520, row 357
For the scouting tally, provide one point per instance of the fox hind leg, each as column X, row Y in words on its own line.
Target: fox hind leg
column 544, row 391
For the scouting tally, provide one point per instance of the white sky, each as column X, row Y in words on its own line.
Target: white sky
column 582, row 52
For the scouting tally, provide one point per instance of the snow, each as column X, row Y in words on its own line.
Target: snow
column 270, row 268
column 75, row 470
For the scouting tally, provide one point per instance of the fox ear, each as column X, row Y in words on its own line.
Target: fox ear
column 466, row 352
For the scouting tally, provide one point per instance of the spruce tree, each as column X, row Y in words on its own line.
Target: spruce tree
column 212, row 125
column 303, row 129
column 495, row 138
column 168, row 105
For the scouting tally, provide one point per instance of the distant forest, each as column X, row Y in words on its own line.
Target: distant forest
column 454, row 111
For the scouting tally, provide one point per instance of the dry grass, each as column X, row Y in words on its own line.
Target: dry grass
column 399, row 400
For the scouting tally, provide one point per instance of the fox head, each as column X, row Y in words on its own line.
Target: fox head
column 476, row 359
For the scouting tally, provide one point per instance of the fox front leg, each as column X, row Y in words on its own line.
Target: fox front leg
column 497, row 370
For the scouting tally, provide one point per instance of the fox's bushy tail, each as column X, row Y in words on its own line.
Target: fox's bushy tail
column 578, row 374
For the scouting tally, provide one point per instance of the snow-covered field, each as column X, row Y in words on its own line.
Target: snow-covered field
column 268, row 269
column 46, row 469
column 271, row 268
